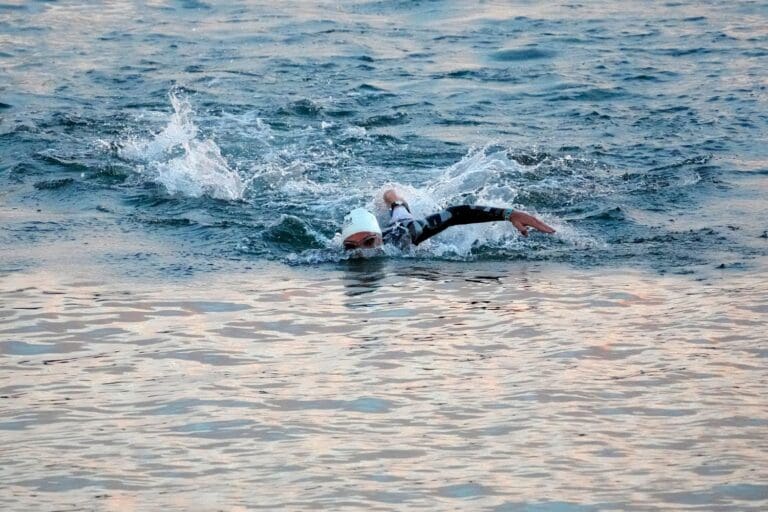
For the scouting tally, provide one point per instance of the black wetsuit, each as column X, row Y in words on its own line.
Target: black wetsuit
column 408, row 230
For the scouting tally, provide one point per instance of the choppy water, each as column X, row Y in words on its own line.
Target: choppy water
column 181, row 329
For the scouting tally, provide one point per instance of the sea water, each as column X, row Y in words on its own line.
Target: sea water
column 180, row 328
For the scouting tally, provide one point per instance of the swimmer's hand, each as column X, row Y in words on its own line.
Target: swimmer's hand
column 522, row 221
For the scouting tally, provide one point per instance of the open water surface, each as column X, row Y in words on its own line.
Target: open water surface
column 180, row 329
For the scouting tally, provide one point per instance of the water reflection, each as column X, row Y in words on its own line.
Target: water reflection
column 364, row 384
column 363, row 275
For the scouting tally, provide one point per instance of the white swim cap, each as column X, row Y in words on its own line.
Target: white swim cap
column 359, row 220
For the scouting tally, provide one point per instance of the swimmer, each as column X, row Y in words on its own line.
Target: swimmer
column 362, row 231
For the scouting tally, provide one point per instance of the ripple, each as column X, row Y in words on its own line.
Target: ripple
column 521, row 54
column 54, row 184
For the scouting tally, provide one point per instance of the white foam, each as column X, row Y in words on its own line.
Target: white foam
column 201, row 170
column 487, row 176
column 356, row 132
column 482, row 173
column 689, row 178
column 287, row 172
column 181, row 161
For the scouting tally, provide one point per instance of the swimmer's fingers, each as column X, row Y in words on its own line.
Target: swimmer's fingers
column 519, row 226
column 544, row 228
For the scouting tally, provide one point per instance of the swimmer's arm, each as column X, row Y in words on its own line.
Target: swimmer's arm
column 466, row 214
column 476, row 214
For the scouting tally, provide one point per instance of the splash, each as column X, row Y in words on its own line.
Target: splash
column 487, row 176
column 182, row 161
column 491, row 175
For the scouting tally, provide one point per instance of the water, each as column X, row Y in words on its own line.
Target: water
column 181, row 329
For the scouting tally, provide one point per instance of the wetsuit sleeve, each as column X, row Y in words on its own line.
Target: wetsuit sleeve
column 428, row 227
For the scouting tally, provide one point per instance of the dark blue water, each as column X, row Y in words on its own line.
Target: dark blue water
column 246, row 130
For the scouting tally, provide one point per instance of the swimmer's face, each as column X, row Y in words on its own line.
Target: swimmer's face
column 362, row 240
